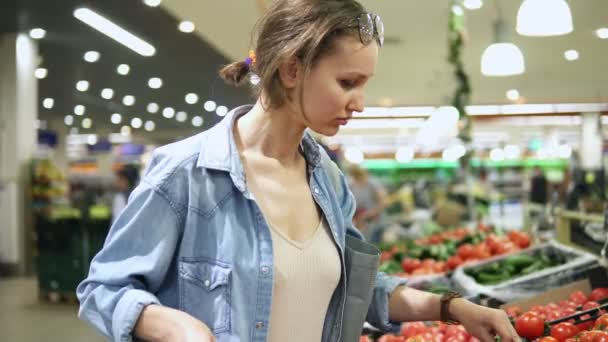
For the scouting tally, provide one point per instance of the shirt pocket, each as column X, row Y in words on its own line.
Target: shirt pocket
column 204, row 286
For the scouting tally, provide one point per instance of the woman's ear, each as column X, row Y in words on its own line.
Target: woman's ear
column 289, row 72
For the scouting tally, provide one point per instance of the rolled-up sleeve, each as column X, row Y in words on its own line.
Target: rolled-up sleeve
column 132, row 265
column 378, row 313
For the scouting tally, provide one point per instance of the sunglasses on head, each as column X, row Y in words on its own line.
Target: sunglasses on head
column 370, row 27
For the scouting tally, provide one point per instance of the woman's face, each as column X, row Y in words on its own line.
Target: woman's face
column 334, row 88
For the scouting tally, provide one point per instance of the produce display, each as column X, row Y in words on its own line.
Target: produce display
column 427, row 332
column 514, row 266
column 445, row 251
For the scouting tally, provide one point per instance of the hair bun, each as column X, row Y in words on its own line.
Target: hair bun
column 235, row 73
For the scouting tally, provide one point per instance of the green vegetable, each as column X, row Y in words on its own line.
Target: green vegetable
column 390, row 267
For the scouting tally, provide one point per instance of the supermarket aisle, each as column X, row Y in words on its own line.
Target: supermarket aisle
column 24, row 319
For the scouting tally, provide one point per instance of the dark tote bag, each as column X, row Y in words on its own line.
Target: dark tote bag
column 362, row 260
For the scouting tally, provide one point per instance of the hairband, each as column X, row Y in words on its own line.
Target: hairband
column 251, row 59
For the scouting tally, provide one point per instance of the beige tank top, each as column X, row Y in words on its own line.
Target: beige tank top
column 306, row 275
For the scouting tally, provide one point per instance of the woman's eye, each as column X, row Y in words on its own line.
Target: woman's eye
column 347, row 84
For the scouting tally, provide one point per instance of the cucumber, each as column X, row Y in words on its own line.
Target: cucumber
column 489, row 278
column 520, row 261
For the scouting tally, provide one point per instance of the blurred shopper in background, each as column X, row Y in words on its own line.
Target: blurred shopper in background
column 370, row 198
column 125, row 181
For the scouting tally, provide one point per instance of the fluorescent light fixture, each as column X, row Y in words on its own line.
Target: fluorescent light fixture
column 512, row 152
column 564, row 151
column 114, row 31
column 542, row 18
column 152, row 3
column 453, row 153
column 473, row 4
column 87, row 123
column 457, row 10
column 186, row 26
column 404, row 154
column 155, row 82
column 513, row 94
column 123, row 69
column 82, row 85
column 354, row 155
column 602, row 33
column 107, row 93
column 79, row 109
column 91, row 56
column 571, row 55
column 497, row 154
column 68, row 120
column 168, row 112
column 116, row 118
column 125, row 130
column 221, row 111
column 136, row 123
column 41, row 73
column 149, row 126
column 48, row 103
column 128, row 100
column 181, row 116
column 37, row 33
column 191, row 98
column 210, row 106
column 197, row 121
column 152, row 108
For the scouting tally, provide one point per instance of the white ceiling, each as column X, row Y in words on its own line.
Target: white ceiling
column 415, row 71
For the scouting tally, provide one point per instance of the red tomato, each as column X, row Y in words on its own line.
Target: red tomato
column 466, row 251
column 513, row 311
column 601, row 323
column 530, row 325
column 578, row 297
column 454, row 262
column 410, row 329
column 474, row 339
column 547, row 339
column 563, row 331
column 385, row 256
column 586, row 325
column 521, row 239
column 439, row 267
column 599, row 294
column 409, row 265
column 586, row 336
column 600, row 336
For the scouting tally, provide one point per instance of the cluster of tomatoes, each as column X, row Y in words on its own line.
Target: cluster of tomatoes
column 433, row 332
column 531, row 324
column 448, row 235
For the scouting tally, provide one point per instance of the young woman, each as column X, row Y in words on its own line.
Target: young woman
column 238, row 233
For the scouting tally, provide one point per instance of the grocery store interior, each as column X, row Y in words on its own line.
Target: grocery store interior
column 478, row 164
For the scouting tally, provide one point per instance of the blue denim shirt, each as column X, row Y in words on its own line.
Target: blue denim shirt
column 193, row 238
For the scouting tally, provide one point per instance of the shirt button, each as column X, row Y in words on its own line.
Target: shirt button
column 259, row 325
column 264, row 269
column 207, row 283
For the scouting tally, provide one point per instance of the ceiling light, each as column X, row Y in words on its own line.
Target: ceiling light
column 571, row 55
column 502, row 58
column 186, row 26
column 82, row 86
column 48, row 103
column 87, row 123
column 472, row 4
column 254, row 79
column 92, row 139
column 107, row 93
column 68, row 120
column 513, row 94
column 152, row 108
column 155, row 83
column 149, row 126
column 564, row 151
column 457, row 10
column 37, row 33
column 541, row 18
column 512, row 152
column 79, row 109
column 210, row 106
column 41, row 73
column 125, row 130
column 497, row 154
column 191, row 98
column 168, row 112
column 221, row 111
column 136, row 123
column 114, row 31
column 452, row 154
column 602, row 33
column 128, row 100
column 116, row 118
column 152, row 3
column 404, row 154
column 123, row 69
column 91, row 56
column 354, row 155
column 181, row 116
column 197, row 121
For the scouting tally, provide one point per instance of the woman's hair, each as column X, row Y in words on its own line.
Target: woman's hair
column 304, row 29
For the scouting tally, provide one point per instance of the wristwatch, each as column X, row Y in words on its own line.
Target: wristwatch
column 444, row 313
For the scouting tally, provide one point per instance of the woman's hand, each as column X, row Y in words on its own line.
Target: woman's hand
column 483, row 323
column 159, row 323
